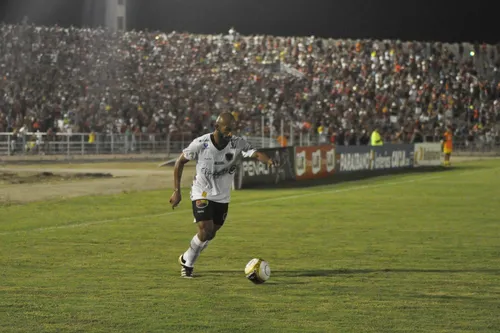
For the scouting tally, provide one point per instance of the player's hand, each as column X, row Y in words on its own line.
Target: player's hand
column 272, row 163
column 175, row 199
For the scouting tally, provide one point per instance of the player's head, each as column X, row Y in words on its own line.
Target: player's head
column 224, row 126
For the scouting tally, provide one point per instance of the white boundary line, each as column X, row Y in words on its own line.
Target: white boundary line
column 348, row 189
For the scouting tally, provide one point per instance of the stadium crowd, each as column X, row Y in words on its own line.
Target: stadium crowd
column 82, row 80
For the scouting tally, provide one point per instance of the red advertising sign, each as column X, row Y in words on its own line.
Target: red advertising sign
column 314, row 162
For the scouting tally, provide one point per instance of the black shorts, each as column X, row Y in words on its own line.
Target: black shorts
column 206, row 210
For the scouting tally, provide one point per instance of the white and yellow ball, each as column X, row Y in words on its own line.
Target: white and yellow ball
column 258, row 271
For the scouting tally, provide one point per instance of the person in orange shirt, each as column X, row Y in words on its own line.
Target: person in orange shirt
column 448, row 146
column 282, row 140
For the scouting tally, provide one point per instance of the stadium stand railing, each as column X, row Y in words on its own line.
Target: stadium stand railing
column 89, row 144
column 75, row 144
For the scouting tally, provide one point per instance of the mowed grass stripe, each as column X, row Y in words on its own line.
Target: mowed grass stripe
column 341, row 263
column 147, row 203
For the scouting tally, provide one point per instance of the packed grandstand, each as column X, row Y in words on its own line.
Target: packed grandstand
column 92, row 80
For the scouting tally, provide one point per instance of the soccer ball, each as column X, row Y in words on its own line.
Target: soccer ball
column 258, row 271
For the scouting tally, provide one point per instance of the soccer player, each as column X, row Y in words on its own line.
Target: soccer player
column 448, row 146
column 215, row 155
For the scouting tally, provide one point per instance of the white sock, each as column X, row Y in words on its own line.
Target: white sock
column 194, row 251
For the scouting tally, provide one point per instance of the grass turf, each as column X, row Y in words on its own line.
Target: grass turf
column 406, row 253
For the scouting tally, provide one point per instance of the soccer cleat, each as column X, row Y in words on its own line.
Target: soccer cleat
column 186, row 271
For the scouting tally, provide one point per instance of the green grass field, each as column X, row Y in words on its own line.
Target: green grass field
column 406, row 253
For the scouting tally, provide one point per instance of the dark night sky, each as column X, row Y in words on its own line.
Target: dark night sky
column 403, row 19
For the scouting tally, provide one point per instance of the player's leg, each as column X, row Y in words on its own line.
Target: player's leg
column 447, row 157
column 207, row 229
column 220, row 214
column 198, row 243
column 203, row 211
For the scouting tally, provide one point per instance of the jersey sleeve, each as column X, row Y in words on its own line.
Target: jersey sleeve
column 193, row 150
column 246, row 148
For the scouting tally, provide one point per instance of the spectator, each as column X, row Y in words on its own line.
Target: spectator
column 75, row 80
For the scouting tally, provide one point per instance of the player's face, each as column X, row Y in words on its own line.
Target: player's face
column 226, row 131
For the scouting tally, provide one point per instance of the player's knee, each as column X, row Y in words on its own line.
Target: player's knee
column 214, row 232
column 212, row 235
column 206, row 231
column 207, row 235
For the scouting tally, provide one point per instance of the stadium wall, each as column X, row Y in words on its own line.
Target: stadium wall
column 307, row 165
column 116, row 15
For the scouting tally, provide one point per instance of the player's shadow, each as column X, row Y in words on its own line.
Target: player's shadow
column 339, row 272
column 238, row 273
column 468, row 167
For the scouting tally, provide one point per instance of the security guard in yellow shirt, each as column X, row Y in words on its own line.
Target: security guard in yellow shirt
column 376, row 138
column 92, row 137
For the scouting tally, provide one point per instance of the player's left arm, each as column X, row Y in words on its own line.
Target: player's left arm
column 248, row 151
column 264, row 158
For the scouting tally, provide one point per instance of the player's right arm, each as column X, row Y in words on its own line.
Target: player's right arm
column 190, row 153
column 176, row 197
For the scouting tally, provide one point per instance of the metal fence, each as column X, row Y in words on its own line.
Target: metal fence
column 73, row 144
